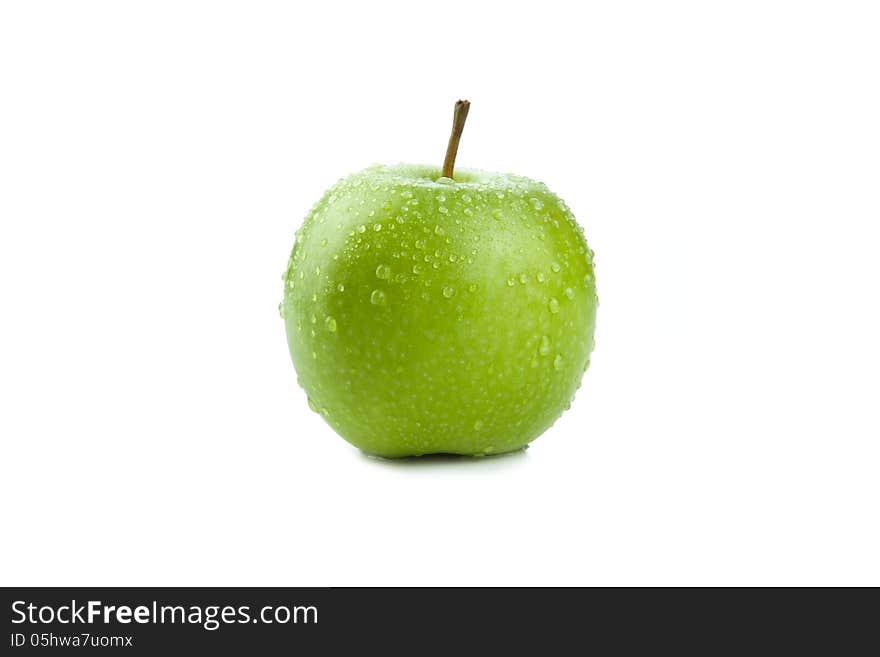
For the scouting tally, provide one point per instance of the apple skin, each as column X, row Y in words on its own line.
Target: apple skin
column 428, row 315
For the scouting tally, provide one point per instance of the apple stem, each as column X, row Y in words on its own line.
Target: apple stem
column 458, row 119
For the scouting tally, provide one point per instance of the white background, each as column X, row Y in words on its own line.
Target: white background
column 156, row 158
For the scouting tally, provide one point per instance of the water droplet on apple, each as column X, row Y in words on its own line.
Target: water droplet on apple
column 340, row 287
column 510, row 281
column 478, row 425
column 555, row 267
column 281, row 311
column 377, row 227
column 383, row 272
column 438, row 230
column 377, row 298
column 557, row 363
column 331, row 324
column 472, row 287
column 420, row 244
column 544, row 349
column 553, row 305
column 569, row 293
column 443, row 209
column 448, row 292
column 536, row 203
column 417, row 269
column 540, row 277
column 523, row 279
column 362, row 229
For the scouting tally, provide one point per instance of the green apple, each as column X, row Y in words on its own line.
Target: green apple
column 439, row 314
